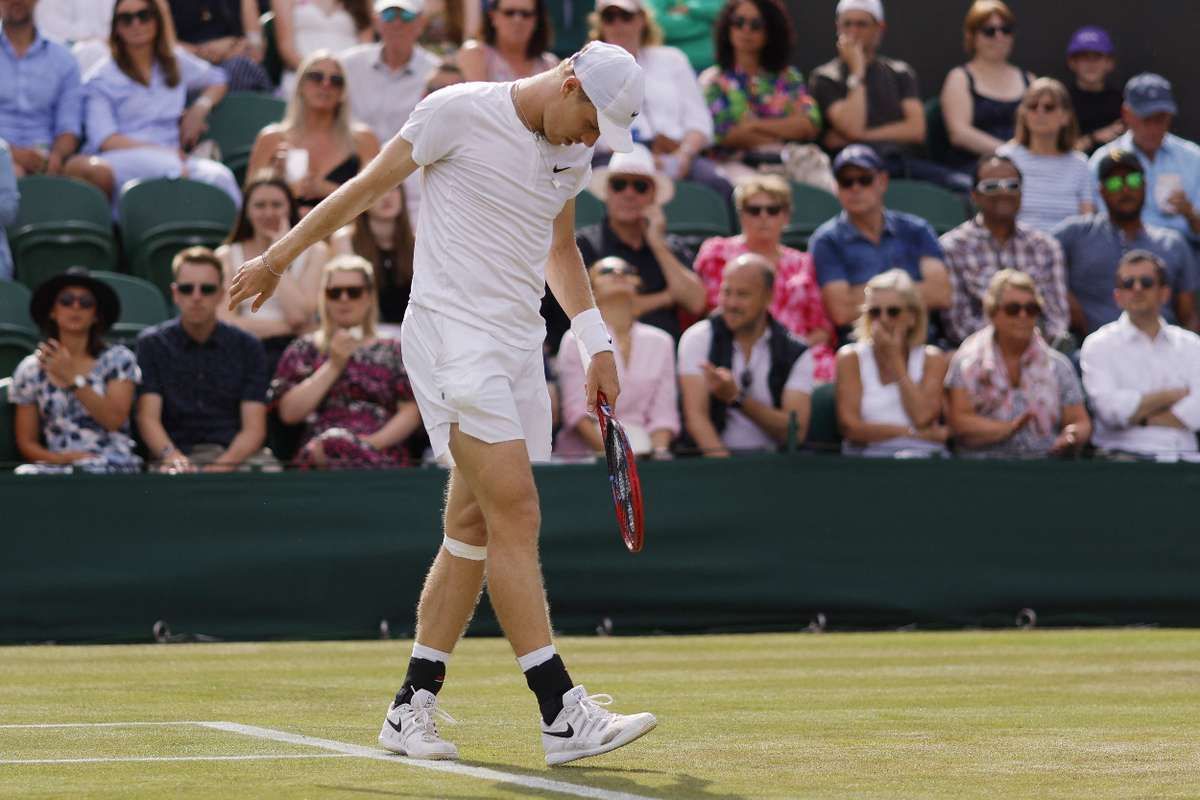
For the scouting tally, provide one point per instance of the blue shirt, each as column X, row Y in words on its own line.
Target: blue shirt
column 202, row 384
column 116, row 103
column 10, row 198
column 40, row 93
column 1092, row 246
column 842, row 253
column 1177, row 156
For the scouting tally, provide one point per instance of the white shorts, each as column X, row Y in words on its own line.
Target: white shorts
column 461, row 375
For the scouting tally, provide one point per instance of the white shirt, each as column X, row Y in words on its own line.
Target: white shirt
column 882, row 404
column 1121, row 364
column 741, row 432
column 74, row 20
column 380, row 96
column 489, row 198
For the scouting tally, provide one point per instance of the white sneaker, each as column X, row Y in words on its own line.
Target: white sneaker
column 585, row 729
column 410, row 729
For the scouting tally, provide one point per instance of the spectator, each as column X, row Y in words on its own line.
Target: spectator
column 867, row 239
column 75, row 393
column 980, row 98
column 316, row 146
column 81, row 24
column 1011, row 394
column 995, row 240
column 1055, row 178
column 138, row 123
column 1093, row 245
column 41, row 107
column 688, row 25
column 742, row 374
column 451, row 22
column 269, row 212
column 516, row 43
column 758, row 102
column 634, row 229
column 648, row 406
column 674, row 122
column 889, row 382
column 1142, row 375
column 764, row 204
column 345, row 383
column 225, row 33
column 1171, row 165
column 10, row 200
column 383, row 236
column 395, row 68
column 306, row 27
column 444, row 74
column 1097, row 105
column 204, row 382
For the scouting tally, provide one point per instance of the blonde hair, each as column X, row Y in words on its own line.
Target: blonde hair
column 196, row 255
column 979, row 13
column 774, row 185
column 652, row 34
column 1009, row 279
column 345, row 263
column 1068, row 133
column 898, row 281
column 293, row 117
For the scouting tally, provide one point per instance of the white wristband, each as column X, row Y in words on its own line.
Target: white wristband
column 591, row 334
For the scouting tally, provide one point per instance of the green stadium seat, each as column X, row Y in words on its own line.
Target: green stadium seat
column 14, row 308
column 14, row 346
column 697, row 210
column 588, row 209
column 942, row 208
column 60, row 223
column 9, row 456
column 235, row 123
column 142, row 305
column 160, row 217
column 824, row 434
column 811, row 207
column 937, row 138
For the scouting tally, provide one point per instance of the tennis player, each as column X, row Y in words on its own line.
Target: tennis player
column 501, row 166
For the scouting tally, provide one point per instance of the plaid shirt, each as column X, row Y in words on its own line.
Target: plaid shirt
column 973, row 256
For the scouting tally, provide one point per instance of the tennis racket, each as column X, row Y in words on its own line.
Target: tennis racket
column 622, row 475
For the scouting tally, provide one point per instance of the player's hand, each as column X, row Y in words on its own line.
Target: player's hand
column 602, row 377
column 253, row 280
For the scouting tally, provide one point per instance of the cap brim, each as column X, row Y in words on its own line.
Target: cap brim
column 618, row 137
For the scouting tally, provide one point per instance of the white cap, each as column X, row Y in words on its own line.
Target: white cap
column 411, row 6
column 638, row 161
column 614, row 83
column 872, row 7
column 632, row 6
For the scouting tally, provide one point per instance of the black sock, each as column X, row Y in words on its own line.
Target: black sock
column 549, row 681
column 422, row 674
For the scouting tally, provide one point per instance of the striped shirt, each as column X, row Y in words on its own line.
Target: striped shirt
column 1053, row 186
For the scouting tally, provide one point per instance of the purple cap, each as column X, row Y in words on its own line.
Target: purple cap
column 1090, row 39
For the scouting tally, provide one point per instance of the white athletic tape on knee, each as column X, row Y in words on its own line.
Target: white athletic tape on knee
column 463, row 550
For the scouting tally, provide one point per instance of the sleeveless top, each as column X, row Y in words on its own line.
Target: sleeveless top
column 271, row 309
column 339, row 175
column 994, row 117
column 883, row 405
column 499, row 71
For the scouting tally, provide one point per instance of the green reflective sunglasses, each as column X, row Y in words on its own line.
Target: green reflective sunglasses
column 1115, row 183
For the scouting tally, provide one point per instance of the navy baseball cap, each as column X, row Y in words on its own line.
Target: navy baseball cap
column 1116, row 159
column 1090, row 39
column 857, row 155
column 1148, row 94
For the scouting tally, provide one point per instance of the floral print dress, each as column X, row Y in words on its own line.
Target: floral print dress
column 368, row 393
column 731, row 95
column 66, row 425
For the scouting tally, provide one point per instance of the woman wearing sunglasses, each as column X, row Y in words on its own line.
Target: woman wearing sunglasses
column 137, row 120
column 1009, row 394
column 303, row 27
column 316, row 147
column 383, row 235
column 1057, row 183
column 75, row 393
column 889, row 382
column 980, row 98
column 516, row 43
column 344, row 383
column 764, row 205
column 758, row 102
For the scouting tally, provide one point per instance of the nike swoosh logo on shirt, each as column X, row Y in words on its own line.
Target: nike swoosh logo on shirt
column 567, row 734
column 560, row 169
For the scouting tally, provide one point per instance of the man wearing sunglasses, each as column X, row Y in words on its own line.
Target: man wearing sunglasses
column 501, row 166
column 867, row 239
column 993, row 240
column 1141, row 374
column 1170, row 164
column 1094, row 244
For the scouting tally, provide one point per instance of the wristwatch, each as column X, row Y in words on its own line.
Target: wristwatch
column 79, row 382
column 853, row 82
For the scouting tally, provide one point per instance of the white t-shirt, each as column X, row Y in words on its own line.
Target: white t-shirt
column 490, row 192
column 741, row 433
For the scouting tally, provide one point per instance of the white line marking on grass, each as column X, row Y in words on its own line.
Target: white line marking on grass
column 95, row 724
column 118, row 759
column 483, row 773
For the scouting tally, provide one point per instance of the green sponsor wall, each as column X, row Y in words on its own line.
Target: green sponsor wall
column 753, row 543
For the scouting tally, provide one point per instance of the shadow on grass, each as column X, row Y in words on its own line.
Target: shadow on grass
column 613, row 779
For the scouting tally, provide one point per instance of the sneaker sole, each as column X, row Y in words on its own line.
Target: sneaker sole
column 400, row 751
column 556, row 759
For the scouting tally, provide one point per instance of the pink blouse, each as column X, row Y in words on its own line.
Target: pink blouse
column 649, row 395
column 797, row 304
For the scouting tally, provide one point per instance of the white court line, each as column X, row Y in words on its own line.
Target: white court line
column 118, row 759
column 96, row 724
column 484, row 773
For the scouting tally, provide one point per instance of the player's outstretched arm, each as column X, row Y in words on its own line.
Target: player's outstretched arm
column 258, row 277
